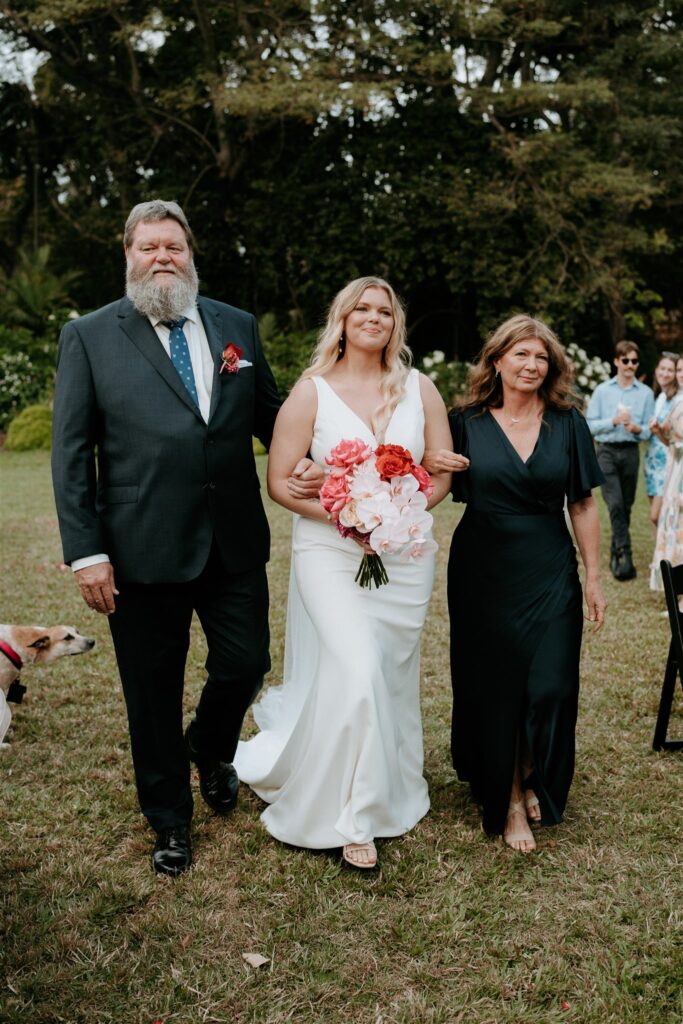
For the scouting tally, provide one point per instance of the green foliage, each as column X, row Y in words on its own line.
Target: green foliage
column 30, row 430
column 22, row 382
column 33, row 293
column 288, row 352
column 487, row 158
column 450, row 377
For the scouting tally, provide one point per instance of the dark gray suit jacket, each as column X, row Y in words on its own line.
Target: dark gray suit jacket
column 137, row 473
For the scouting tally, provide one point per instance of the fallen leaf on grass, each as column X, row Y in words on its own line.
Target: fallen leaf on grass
column 255, row 959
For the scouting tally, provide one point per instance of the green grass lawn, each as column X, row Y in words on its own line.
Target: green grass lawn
column 454, row 928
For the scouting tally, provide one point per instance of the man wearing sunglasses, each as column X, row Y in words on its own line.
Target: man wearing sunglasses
column 618, row 415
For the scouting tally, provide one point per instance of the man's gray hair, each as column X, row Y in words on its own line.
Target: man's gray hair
column 154, row 210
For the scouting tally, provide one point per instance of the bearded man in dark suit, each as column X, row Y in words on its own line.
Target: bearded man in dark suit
column 157, row 398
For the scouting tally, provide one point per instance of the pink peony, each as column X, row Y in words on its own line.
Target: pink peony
column 348, row 454
column 423, row 478
column 348, row 516
column 334, row 494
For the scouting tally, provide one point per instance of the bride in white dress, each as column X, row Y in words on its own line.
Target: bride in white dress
column 339, row 755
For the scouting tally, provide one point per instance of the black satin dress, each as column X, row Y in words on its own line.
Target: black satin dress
column 516, row 611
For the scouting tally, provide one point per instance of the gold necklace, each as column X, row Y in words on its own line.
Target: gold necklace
column 514, row 420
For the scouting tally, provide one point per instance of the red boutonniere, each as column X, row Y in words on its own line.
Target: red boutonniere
column 231, row 356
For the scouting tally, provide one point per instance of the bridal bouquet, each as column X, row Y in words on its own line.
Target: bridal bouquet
column 379, row 497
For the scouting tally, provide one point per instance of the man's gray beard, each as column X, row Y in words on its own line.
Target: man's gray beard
column 162, row 302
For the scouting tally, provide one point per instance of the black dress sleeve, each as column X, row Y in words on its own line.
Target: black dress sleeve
column 584, row 471
column 460, row 488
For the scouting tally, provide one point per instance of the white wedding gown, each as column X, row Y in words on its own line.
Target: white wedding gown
column 339, row 755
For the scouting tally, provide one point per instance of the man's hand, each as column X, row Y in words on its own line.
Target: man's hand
column 306, row 480
column 96, row 583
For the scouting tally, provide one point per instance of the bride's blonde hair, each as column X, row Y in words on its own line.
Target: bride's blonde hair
column 396, row 356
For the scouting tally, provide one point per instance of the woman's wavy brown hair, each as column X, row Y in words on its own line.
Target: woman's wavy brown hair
column 484, row 386
column 672, row 387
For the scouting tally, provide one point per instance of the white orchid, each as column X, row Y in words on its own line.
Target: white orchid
column 375, row 510
column 418, row 550
column 390, row 536
column 416, row 518
column 366, row 481
column 403, row 488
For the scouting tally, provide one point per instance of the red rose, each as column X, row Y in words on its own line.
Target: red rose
column 231, row 356
column 393, row 460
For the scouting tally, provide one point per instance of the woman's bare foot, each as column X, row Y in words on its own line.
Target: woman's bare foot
column 360, row 855
column 517, row 833
column 533, row 808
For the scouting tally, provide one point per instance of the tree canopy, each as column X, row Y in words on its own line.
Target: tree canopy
column 486, row 157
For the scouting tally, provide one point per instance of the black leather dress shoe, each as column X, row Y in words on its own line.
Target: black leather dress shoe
column 614, row 565
column 218, row 782
column 172, row 851
column 626, row 570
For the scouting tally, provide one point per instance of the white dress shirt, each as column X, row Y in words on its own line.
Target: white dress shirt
column 202, row 366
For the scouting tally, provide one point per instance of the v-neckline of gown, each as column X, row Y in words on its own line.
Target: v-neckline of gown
column 352, row 411
column 523, row 462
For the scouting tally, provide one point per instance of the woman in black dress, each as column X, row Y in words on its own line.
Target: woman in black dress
column 513, row 587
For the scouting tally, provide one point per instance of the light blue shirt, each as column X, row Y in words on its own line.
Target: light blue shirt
column 602, row 409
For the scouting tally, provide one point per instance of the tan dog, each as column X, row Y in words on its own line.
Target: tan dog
column 32, row 645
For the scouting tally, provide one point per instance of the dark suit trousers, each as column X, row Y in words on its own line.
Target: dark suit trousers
column 619, row 463
column 151, row 633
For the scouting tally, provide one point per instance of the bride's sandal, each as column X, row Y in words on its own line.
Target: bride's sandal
column 533, row 806
column 522, row 841
column 360, row 855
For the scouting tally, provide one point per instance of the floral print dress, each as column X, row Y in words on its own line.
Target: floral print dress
column 655, row 456
column 669, row 543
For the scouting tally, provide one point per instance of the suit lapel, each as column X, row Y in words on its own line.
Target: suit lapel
column 144, row 337
column 217, row 338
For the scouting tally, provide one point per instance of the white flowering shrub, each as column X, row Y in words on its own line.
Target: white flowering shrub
column 21, row 384
column 589, row 370
column 449, row 377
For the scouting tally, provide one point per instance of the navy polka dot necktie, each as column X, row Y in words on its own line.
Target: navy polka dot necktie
column 180, row 355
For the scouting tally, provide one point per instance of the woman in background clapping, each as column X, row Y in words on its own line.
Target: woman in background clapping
column 665, row 389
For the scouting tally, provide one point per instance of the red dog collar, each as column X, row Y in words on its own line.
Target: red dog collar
column 10, row 653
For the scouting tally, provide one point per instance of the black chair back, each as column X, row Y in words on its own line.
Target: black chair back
column 672, row 578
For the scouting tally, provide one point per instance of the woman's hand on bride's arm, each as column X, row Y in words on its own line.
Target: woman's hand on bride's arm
column 442, row 460
column 306, row 480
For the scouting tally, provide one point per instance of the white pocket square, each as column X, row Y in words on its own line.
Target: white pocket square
column 244, row 362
